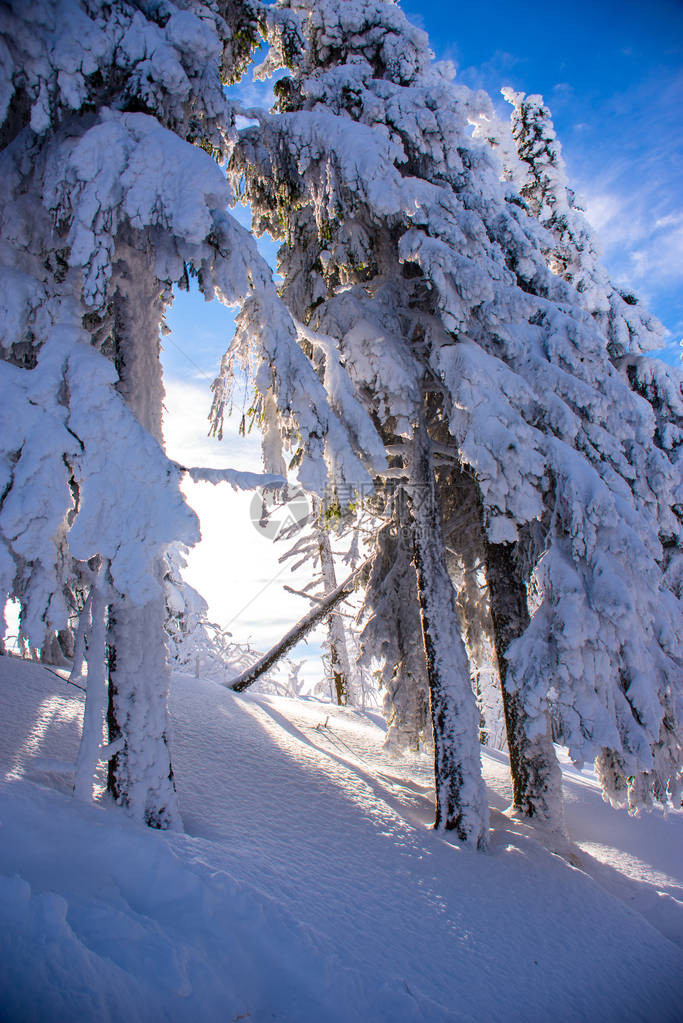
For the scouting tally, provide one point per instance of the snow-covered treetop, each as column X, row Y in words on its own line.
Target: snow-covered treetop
column 532, row 161
column 373, row 36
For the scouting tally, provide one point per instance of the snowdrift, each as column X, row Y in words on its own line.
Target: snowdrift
column 308, row 885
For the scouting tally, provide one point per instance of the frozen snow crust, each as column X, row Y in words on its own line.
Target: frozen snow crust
column 309, row 885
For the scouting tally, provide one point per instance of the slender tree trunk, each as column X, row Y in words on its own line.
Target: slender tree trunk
column 536, row 775
column 88, row 759
column 339, row 655
column 461, row 803
column 140, row 777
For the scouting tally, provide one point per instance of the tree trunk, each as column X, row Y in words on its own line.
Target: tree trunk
column 461, row 803
column 140, row 777
column 297, row 633
column 339, row 655
column 536, row 775
column 87, row 762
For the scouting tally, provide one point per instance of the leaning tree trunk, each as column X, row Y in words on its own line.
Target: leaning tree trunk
column 140, row 776
column 298, row 632
column 339, row 655
column 536, row 775
column 461, row 803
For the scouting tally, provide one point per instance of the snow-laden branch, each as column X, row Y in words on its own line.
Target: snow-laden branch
column 237, row 480
column 343, row 399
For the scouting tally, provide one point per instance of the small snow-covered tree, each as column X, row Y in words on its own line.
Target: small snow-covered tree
column 200, row 647
column 195, row 645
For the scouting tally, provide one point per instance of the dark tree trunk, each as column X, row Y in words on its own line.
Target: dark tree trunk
column 113, row 729
column 536, row 776
column 461, row 803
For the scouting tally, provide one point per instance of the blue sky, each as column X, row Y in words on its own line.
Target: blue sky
column 612, row 75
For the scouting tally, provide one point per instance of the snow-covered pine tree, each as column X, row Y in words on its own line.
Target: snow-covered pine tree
column 460, row 802
column 112, row 115
column 535, row 166
column 404, row 247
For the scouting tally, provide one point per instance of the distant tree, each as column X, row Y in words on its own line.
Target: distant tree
column 313, row 547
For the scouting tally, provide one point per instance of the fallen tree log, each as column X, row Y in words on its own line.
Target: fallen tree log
column 298, row 631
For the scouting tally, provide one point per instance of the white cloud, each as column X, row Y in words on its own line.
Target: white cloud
column 625, row 164
column 639, row 247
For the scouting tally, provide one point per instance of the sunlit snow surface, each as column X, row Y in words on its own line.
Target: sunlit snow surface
column 309, row 886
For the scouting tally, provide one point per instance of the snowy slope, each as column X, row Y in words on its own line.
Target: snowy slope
column 309, row 886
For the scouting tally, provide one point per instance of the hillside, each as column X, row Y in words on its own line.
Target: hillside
column 309, row 886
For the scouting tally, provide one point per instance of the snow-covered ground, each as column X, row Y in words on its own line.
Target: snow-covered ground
column 308, row 885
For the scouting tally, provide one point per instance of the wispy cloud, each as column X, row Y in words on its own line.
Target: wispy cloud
column 492, row 74
column 625, row 164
